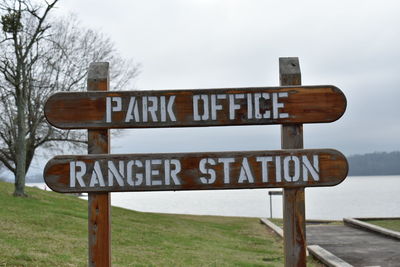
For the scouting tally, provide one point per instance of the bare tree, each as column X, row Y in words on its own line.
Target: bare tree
column 40, row 55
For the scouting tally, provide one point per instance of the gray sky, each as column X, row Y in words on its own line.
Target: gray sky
column 354, row 45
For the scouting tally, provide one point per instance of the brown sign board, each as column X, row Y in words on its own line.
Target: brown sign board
column 200, row 107
column 195, row 171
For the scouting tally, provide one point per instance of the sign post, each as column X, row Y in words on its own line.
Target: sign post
column 291, row 168
column 293, row 198
column 99, row 219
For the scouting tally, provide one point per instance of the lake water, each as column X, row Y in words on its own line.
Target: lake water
column 370, row 196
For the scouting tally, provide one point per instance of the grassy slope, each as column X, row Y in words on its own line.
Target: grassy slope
column 50, row 229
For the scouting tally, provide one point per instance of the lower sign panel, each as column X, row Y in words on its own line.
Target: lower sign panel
column 196, row 171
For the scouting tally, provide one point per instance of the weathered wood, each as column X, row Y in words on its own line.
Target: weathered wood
column 195, row 171
column 190, row 108
column 293, row 198
column 99, row 229
column 294, row 227
column 99, row 221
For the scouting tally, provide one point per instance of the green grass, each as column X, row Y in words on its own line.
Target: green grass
column 389, row 224
column 50, row 229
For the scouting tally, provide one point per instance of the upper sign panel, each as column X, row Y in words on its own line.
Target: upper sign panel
column 195, row 108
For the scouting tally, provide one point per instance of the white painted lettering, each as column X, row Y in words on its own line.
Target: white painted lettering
column 226, row 162
column 277, row 105
column 267, row 113
column 76, row 175
column 152, row 109
column 296, row 168
column 283, row 115
column 196, row 111
column 97, row 175
column 245, row 172
column 172, row 173
column 264, row 167
column 215, row 106
column 129, row 173
column 144, row 108
column 257, row 97
column 278, row 169
column 114, row 173
column 163, row 110
column 257, row 107
column 196, row 115
column 150, row 172
column 249, row 106
column 313, row 169
column 110, row 108
column 205, row 170
column 133, row 111
column 233, row 106
column 170, row 111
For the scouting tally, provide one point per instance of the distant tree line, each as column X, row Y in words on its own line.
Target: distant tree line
column 377, row 163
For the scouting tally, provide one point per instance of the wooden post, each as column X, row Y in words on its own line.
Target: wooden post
column 293, row 199
column 99, row 203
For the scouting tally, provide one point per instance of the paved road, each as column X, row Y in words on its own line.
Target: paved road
column 357, row 247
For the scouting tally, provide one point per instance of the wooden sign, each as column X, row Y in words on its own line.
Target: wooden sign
column 195, row 171
column 187, row 108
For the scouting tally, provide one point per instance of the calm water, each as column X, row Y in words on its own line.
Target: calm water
column 371, row 196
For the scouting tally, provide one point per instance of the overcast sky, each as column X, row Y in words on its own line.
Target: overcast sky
column 354, row 45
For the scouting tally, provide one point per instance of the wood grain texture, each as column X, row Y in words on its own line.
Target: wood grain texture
column 156, row 172
column 303, row 104
column 293, row 198
column 99, row 229
column 99, row 209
